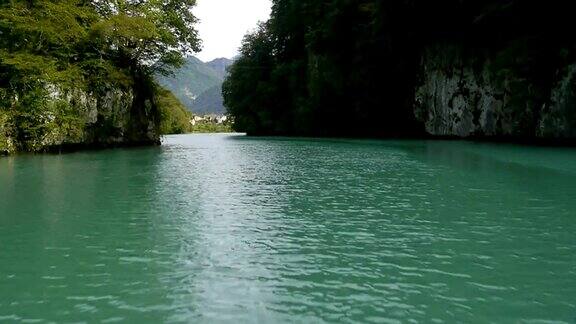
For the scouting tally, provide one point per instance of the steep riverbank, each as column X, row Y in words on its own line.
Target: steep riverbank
column 477, row 95
column 502, row 70
column 75, row 117
column 80, row 74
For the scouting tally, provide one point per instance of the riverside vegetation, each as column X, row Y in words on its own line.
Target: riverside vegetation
column 504, row 69
column 76, row 72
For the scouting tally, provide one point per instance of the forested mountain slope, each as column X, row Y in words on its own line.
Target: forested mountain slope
column 191, row 80
column 198, row 85
column 220, row 65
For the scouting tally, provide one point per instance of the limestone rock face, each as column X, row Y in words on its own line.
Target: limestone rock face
column 559, row 116
column 6, row 142
column 76, row 117
column 472, row 94
column 111, row 118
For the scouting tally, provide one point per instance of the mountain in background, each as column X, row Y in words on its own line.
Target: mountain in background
column 210, row 102
column 198, row 85
column 220, row 65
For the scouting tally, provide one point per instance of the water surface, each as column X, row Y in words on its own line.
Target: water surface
column 220, row 228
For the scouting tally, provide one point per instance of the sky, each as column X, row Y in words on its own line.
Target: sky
column 223, row 24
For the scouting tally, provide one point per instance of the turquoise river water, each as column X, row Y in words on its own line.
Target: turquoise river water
column 232, row 229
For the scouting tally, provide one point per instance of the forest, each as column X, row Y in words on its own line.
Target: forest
column 355, row 68
column 81, row 72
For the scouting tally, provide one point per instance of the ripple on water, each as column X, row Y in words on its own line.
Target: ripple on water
column 235, row 229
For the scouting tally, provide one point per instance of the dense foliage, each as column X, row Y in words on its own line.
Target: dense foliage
column 349, row 67
column 63, row 60
column 175, row 118
column 211, row 127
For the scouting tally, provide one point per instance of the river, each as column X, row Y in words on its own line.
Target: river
column 227, row 228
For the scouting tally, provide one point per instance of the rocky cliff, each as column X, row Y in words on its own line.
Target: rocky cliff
column 473, row 94
column 500, row 69
column 74, row 117
column 80, row 73
column 505, row 69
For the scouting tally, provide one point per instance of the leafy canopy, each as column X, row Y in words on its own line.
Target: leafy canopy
column 49, row 49
column 152, row 33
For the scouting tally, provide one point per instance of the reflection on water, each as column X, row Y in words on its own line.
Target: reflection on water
column 237, row 229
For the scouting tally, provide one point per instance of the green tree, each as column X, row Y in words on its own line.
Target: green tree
column 350, row 67
column 55, row 48
column 248, row 90
column 175, row 117
column 150, row 34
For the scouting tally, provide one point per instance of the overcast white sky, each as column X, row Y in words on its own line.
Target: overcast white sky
column 223, row 24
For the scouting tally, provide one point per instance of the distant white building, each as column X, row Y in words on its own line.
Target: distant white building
column 196, row 119
column 209, row 119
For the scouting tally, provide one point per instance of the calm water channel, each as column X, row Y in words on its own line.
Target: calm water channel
column 221, row 228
